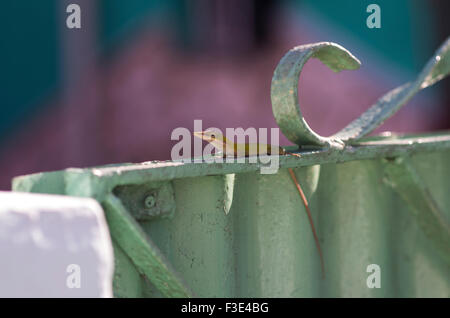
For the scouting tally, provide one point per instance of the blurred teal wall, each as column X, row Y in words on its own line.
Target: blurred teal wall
column 29, row 56
column 118, row 18
column 30, row 49
column 403, row 38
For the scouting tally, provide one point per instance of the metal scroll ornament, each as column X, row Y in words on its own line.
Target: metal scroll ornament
column 286, row 107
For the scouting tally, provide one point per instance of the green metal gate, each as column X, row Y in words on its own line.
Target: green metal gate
column 225, row 230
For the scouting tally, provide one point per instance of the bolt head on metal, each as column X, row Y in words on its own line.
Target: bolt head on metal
column 149, row 201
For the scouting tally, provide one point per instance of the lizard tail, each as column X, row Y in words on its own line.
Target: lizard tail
column 308, row 212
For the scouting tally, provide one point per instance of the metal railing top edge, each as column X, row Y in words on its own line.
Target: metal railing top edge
column 367, row 148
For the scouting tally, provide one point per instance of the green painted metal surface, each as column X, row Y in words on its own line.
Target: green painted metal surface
column 142, row 251
column 405, row 180
column 225, row 230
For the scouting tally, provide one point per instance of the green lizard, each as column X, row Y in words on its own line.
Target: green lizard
column 230, row 148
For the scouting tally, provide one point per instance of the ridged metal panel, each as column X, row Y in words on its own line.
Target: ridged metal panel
column 264, row 247
column 247, row 234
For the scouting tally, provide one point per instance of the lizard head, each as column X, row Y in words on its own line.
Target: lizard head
column 210, row 136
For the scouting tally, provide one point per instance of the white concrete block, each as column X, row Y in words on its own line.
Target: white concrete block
column 53, row 246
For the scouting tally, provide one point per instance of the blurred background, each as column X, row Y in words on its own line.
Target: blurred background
column 114, row 90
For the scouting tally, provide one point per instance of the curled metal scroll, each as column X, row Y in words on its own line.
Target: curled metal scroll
column 284, row 93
